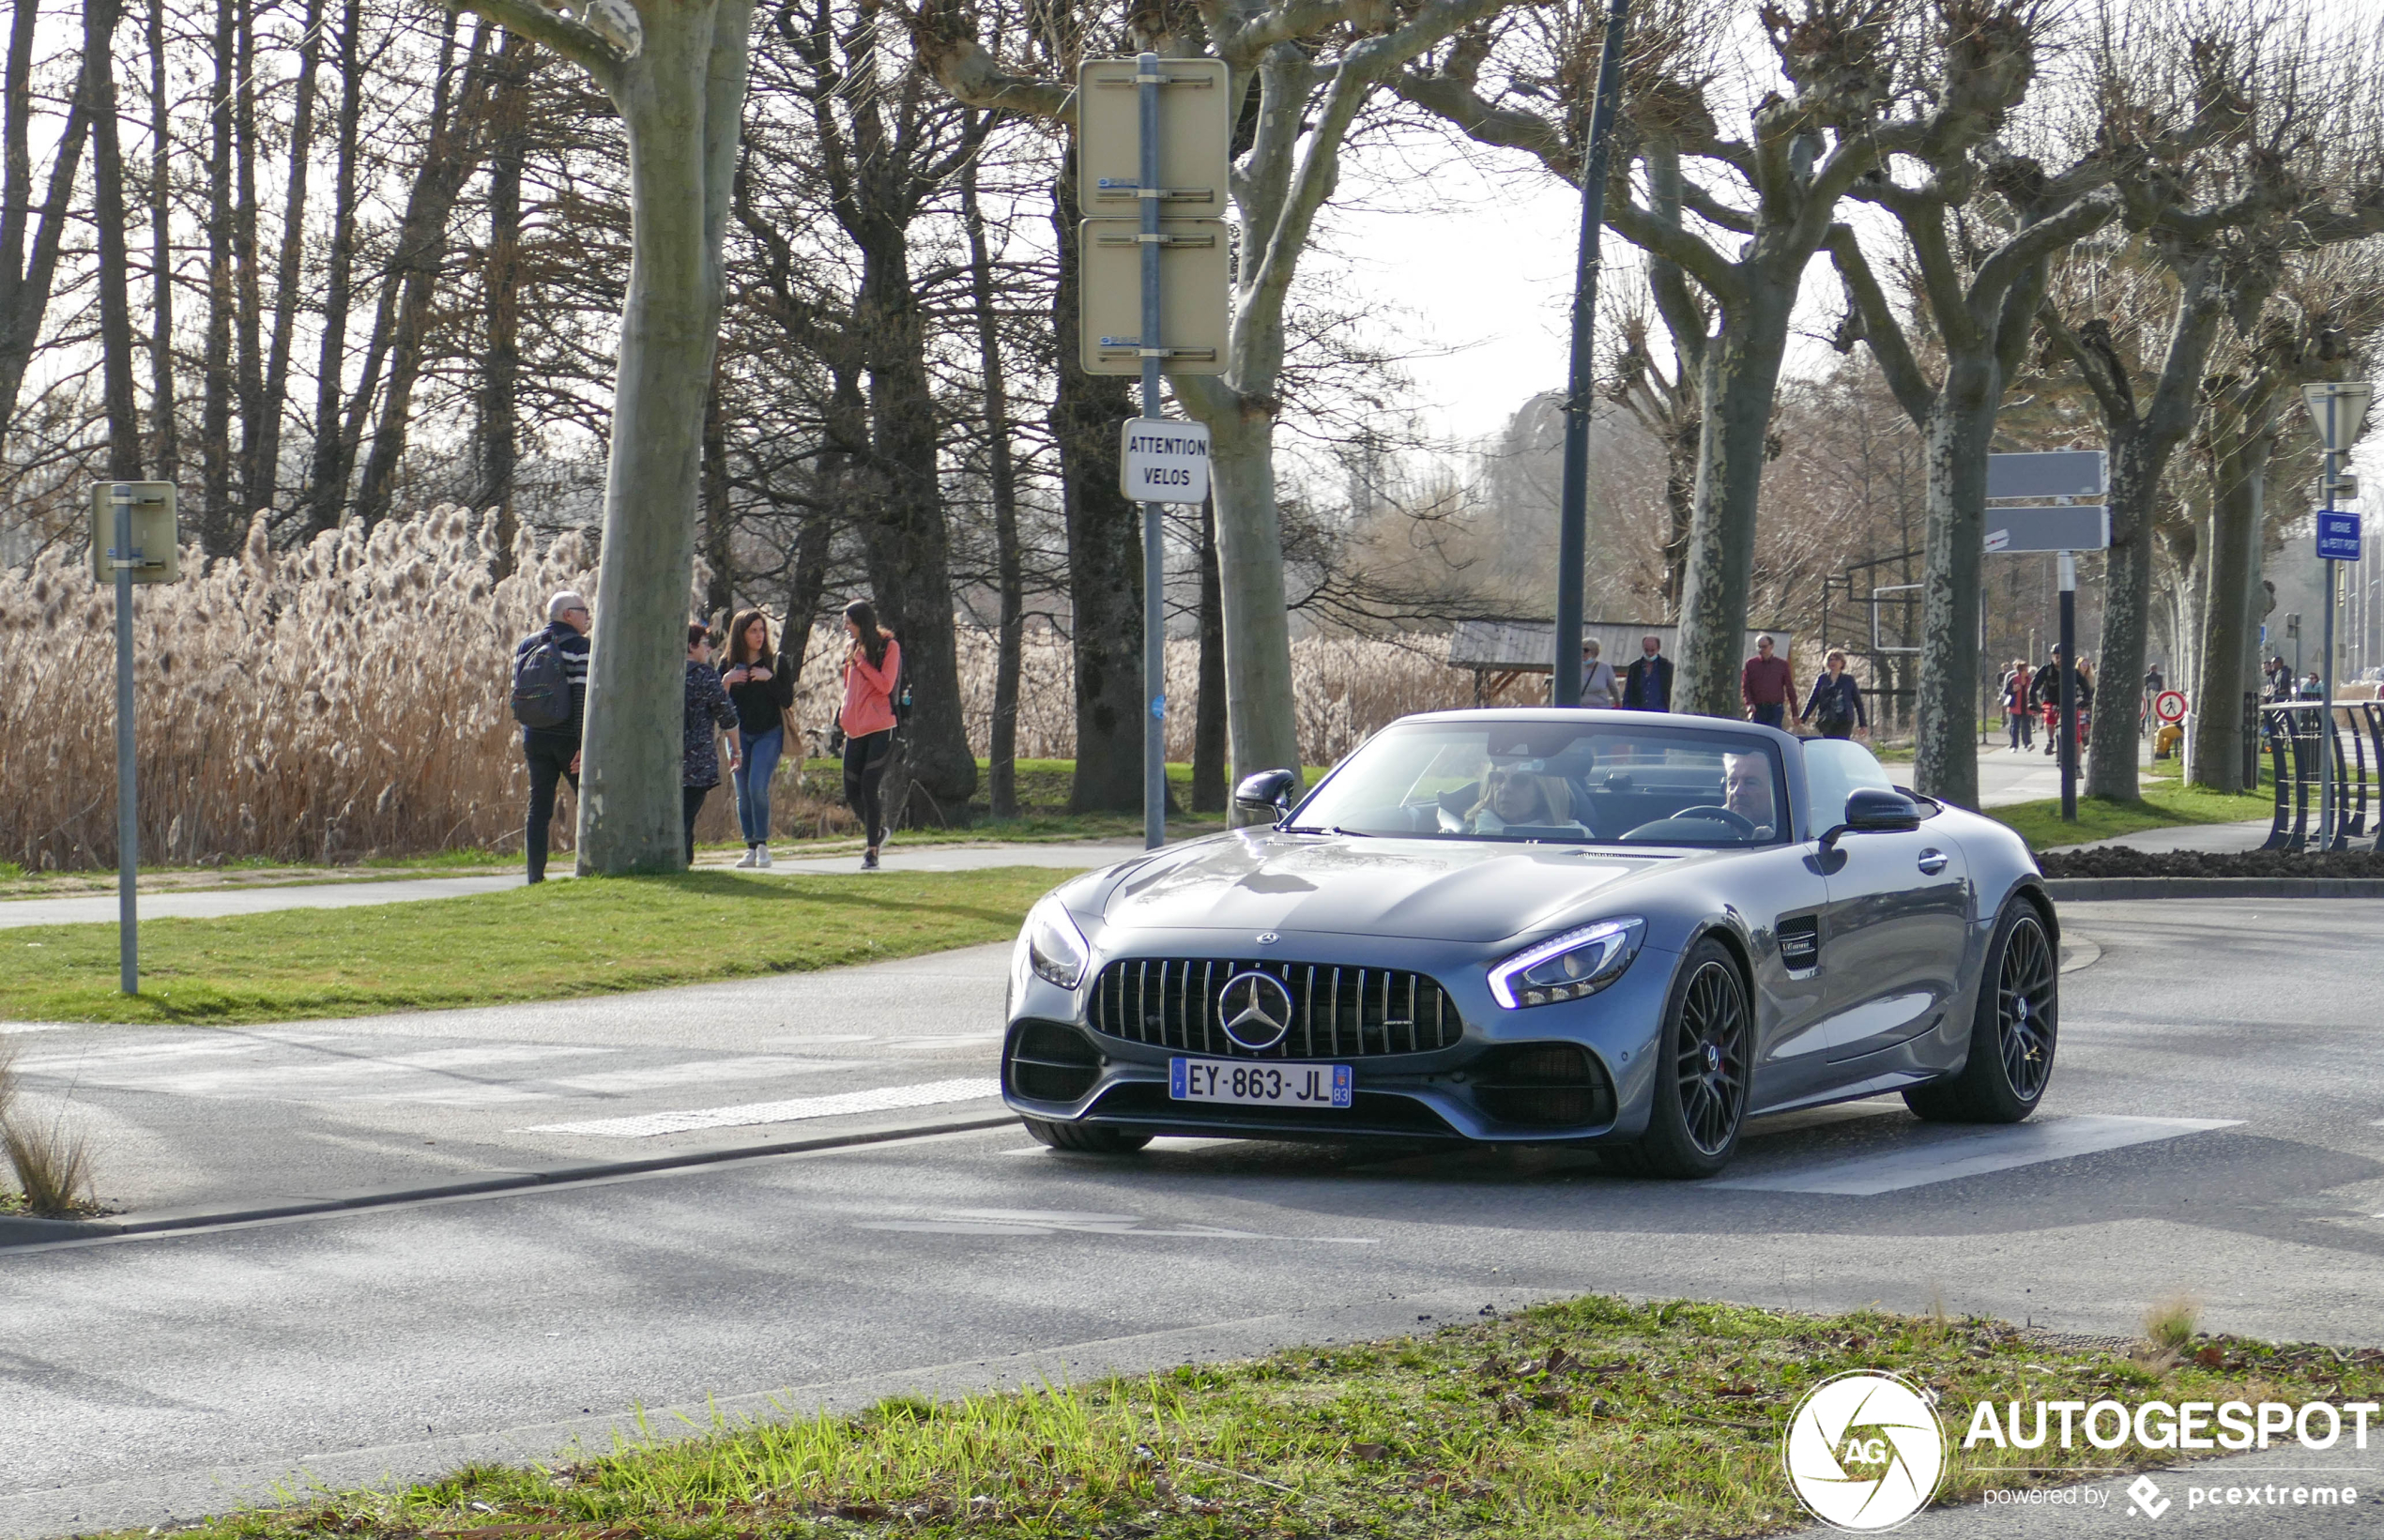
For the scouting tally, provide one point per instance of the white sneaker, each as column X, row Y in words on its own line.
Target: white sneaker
column 751, row 859
column 763, row 852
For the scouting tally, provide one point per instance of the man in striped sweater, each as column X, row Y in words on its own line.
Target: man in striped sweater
column 553, row 753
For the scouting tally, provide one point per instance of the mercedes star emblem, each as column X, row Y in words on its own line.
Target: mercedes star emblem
column 1256, row 1008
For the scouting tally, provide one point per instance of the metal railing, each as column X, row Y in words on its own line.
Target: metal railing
column 2297, row 733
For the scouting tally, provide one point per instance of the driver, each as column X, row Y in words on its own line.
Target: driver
column 1747, row 790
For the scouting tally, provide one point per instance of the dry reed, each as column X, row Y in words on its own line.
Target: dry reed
column 347, row 699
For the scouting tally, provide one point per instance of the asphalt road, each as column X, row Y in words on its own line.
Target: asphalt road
column 2214, row 1130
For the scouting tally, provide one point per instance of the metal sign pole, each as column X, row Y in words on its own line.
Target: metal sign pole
column 1572, row 526
column 2326, row 659
column 127, row 825
column 2068, row 679
column 1147, row 81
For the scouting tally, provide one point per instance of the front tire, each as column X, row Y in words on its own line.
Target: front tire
column 1703, row 1071
column 1084, row 1139
column 2012, row 1033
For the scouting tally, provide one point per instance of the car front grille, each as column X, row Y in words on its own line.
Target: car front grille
column 1337, row 1012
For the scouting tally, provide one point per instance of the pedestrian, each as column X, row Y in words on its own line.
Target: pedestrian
column 2019, row 712
column 761, row 687
column 2154, row 683
column 1647, row 683
column 867, row 718
column 2311, row 687
column 1599, row 688
column 1766, row 685
column 1836, row 702
column 2046, row 691
column 551, row 664
column 708, row 714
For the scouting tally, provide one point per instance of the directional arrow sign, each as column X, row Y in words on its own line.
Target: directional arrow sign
column 1165, row 460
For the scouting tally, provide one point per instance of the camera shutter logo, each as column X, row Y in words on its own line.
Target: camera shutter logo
column 1256, row 1010
column 1864, row 1451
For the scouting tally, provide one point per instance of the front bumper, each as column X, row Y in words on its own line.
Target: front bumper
column 1578, row 1070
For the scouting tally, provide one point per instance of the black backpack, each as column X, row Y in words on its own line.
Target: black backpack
column 541, row 685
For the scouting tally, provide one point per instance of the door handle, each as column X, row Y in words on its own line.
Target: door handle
column 1932, row 861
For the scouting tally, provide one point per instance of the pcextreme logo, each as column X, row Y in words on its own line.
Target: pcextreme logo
column 1864, row 1451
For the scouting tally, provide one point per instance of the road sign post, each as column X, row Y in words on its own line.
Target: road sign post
column 1169, row 143
column 134, row 539
column 2062, row 528
column 2336, row 406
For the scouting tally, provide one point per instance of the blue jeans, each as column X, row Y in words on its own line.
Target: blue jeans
column 1769, row 715
column 753, row 782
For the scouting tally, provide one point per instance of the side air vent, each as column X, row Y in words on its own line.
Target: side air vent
column 1800, row 943
column 1051, row 1063
column 1544, row 1085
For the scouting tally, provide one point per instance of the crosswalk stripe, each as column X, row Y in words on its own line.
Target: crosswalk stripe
column 1971, row 1152
column 794, row 1110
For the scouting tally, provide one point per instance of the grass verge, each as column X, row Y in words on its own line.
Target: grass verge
column 2166, row 805
column 1577, row 1421
column 560, row 939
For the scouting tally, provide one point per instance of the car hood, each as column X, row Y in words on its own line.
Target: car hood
column 1427, row 890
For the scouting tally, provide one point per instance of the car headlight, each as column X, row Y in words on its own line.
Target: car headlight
column 1056, row 950
column 1566, row 967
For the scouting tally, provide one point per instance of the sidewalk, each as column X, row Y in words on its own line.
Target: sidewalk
column 211, row 904
column 208, row 1120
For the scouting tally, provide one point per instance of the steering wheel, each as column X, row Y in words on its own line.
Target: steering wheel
column 1743, row 824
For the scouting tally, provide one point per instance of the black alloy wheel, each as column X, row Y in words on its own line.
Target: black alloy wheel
column 1700, row 1097
column 1713, row 1058
column 2027, row 1007
column 2013, row 1034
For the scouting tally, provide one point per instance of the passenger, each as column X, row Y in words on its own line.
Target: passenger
column 1516, row 797
column 1746, row 791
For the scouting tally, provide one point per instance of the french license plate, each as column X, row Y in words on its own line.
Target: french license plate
column 1258, row 1085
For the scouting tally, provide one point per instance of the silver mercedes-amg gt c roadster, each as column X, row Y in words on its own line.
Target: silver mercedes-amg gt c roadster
column 1610, row 928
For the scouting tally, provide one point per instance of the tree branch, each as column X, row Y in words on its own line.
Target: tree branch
column 573, row 40
column 962, row 65
column 1873, row 321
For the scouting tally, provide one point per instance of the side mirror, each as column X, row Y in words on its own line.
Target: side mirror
column 1269, row 792
column 1871, row 810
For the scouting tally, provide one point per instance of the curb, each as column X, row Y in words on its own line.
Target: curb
column 2085, row 889
column 16, row 1232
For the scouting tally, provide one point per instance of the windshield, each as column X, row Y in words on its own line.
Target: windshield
column 1586, row 783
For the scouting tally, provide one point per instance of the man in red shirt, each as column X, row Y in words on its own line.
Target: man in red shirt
column 1764, row 684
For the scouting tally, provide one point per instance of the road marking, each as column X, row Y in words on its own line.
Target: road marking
column 657, row 1076
column 885, row 1099
column 1058, row 1222
column 1950, row 1155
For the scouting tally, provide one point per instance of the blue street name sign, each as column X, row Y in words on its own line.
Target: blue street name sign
column 2338, row 537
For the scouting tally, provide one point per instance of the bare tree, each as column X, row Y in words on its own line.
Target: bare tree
column 1300, row 70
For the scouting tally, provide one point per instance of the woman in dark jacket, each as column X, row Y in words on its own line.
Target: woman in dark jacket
column 1836, row 700
column 761, row 687
column 707, row 715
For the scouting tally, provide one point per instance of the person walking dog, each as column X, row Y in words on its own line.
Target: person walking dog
column 867, row 717
column 708, row 715
column 761, row 687
column 550, row 701
column 1836, row 701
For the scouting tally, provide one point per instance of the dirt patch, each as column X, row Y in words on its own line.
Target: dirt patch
column 2122, row 860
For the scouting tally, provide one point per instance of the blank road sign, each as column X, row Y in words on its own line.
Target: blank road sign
column 2338, row 537
column 1193, row 320
column 2062, row 473
column 2054, row 528
column 1195, row 137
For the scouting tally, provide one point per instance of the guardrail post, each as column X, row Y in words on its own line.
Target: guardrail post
column 2272, row 725
column 2357, row 822
column 2305, row 772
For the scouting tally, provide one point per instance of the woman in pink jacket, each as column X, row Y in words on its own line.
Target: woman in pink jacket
column 867, row 718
